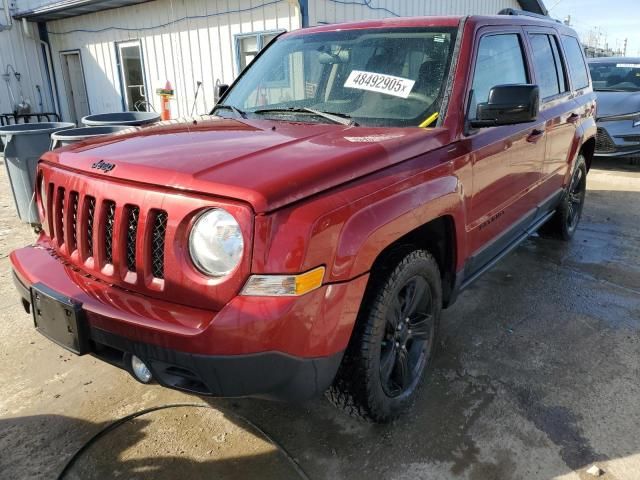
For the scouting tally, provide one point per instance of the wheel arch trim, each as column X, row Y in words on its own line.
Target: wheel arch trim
column 373, row 230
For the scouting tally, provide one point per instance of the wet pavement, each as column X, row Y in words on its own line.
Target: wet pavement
column 537, row 377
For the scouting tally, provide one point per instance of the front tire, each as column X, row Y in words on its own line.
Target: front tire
column 565, row 221
column 393, row 340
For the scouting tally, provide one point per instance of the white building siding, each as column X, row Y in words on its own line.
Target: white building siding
column 334, row 11
column 182, row 41
column 23, row 54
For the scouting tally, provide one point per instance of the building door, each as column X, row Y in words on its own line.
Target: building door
column 131, row 68
column 74, row 85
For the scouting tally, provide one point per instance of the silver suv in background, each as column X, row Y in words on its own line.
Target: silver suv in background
column 616, row 81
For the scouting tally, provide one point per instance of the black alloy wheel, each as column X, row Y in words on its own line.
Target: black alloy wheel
column 408, row 336
column 575, row 201
column 394, row 337
column 563, row 224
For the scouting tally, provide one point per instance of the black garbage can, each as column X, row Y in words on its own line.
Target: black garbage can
column 74, row 135
column 24, row 144
column 121, row 118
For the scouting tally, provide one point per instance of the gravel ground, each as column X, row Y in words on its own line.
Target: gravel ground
column 538, row 376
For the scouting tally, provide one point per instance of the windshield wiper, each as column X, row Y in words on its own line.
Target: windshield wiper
column 341, row 118
column 234, row 109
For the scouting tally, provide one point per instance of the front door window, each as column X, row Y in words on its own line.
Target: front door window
column 500, row 61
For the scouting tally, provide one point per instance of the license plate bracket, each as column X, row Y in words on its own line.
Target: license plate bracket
column 59, row 319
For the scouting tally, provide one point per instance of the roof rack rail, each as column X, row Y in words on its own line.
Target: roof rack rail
column 513, row 11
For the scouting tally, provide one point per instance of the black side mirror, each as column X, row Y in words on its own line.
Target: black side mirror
column 508, row 105
column 221, row 89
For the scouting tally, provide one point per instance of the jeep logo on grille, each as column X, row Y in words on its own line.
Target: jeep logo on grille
column 104, row 166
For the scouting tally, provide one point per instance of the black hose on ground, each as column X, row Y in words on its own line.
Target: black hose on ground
column 123, row 420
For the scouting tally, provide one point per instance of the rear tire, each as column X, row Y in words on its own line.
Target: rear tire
column 564, row 222
column 393, row 340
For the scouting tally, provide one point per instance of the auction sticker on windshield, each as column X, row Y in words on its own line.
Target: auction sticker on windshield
column 381, row 83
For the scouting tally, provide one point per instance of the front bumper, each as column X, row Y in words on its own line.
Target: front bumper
column 617, row 139
column 271, row 347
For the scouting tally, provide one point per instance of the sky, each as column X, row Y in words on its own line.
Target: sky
column 618, row 19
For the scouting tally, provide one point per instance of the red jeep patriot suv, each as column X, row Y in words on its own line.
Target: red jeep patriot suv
column 305, row 237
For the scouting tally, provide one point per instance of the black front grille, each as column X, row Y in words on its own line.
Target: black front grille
column 157, row 243
column 74, row 221
column 95, row 233
column 132, row 231
column 60, row 216
column 91, row 211
column 110, row 208
column 604, row 143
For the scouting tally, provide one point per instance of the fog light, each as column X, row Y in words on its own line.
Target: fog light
column 140, row 370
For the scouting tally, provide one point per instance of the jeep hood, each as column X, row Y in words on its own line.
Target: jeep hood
column 267, row 164
column 617, row 103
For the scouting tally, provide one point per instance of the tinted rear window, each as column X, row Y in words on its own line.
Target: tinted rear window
column 575, row 59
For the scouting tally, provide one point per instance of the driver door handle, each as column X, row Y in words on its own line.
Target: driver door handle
column 535, row 136
column 573, row 118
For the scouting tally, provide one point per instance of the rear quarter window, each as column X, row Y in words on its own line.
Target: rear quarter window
column 575, row 59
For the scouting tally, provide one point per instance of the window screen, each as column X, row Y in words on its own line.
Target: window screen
column 248, row 50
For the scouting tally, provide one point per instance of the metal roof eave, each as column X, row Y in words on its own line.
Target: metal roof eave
column 71, row 8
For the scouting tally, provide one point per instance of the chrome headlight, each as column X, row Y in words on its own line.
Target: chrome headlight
column 216, row 243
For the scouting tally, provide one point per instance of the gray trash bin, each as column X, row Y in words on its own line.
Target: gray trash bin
column 121, row 118
column 24, row 144
column 74, row 135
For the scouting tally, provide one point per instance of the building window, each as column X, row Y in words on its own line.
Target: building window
column 248, row 46
column 131, row 70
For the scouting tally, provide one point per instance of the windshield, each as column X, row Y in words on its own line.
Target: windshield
column 374, row 77
column 621, row 76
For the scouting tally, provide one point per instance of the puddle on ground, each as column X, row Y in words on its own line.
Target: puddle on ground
column 182, row 442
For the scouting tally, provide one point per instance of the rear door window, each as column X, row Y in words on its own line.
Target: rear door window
column 548, row 66
column 560, row 67
column 575, row 59
column 499, row 62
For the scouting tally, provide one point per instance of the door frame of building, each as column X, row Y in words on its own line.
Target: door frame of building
column 66, row 79
column 123, row 91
